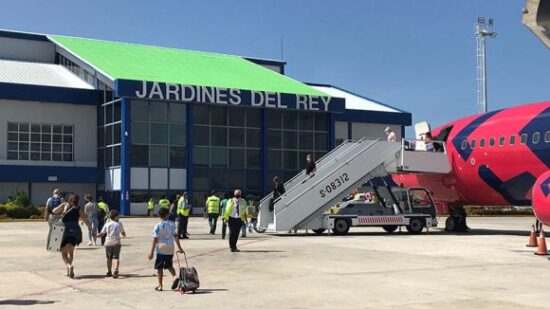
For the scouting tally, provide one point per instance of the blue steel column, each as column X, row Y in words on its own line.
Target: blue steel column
column 263, row 149
column 125, row 157
column 331, row 131
column 189, row 145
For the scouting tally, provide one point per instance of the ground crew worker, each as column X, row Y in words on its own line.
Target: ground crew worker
column 223, row 205
column 103, row 210
column 164, row 202
column 235, row 215
column 213, row 210
column 183, row 216
column 150, row 207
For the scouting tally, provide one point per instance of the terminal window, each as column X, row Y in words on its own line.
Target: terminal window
column 40, row 142
column 158, row 134
column 226, row 149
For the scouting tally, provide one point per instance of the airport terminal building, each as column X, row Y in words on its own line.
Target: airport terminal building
column 129, row 121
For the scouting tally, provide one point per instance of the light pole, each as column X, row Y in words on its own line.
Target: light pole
column 482, row 30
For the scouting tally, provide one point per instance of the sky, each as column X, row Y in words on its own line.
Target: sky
column 418, row 56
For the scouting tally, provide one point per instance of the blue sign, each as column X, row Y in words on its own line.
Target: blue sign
column 226, row 96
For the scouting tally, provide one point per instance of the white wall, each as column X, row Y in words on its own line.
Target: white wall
column 82, row 117
column 42, row 191
column 27, row 50
column 372, row 130
column 8, row 188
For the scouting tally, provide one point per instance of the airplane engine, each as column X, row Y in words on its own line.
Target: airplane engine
column 541, row 198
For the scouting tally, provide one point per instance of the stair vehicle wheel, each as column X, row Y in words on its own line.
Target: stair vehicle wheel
column 415, row 226
column 318, row 231
column 390, row 228
column 341, row 227
column 450, row 224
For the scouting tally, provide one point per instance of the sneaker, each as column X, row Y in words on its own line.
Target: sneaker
column 109, row 274
column 89, row 243
column 115, row 274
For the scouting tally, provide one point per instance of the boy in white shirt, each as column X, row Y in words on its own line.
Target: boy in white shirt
column 164, row 238
column 112, row 230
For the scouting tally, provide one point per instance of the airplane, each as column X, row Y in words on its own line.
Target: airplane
column 497, row 158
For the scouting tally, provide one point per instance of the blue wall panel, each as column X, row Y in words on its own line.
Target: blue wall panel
column 64, row 174
column 23, row 92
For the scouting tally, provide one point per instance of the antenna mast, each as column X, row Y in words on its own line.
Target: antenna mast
column 482, row 30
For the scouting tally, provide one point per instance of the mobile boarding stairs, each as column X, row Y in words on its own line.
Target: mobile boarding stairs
column 341, row 171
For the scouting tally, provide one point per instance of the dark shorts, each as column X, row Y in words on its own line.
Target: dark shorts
column 112, row 252
column 72, row 235
column 163, row 261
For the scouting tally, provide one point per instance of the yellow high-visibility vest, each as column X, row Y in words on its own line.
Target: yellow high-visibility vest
column 229, row 208
column 213, row 204
column 103, row 206
column 164, row 203
column 183, row 207
column 150, row 205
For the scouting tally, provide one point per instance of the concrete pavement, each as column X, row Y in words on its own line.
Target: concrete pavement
column 489, row 267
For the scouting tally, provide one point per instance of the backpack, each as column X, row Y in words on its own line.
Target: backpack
column 53, row 203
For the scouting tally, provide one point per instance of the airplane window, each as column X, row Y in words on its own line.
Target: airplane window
column 464, row 144
column 473, row 144
column 482, row 143
column 502, row 140
column 491, row 141
column 536, row 138
column 524, row 138
column 547, row 137
column 512, row 139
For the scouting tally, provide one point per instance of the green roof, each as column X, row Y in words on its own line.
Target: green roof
column 170, row 65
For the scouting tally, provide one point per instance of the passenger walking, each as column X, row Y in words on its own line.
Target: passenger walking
column 164, row 237
column 102, row 215
column 311, row 167
column 235, row 216
column 150, row 207
column 91, row 212
column 223, row 205
column 183, row 216
column 71, row 212
column 112, row 231
column 52, row 202
column 213, row 210
column 392, row 137
column 278, row 190
column 174, row 209
column 428, row 142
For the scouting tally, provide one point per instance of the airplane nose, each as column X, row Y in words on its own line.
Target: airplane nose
column 541, row 198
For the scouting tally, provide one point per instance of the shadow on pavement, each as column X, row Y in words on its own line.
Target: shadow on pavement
column 261, row 251
column 207, row 291
column 26, row 302
column 84, row 277
column 128, row 276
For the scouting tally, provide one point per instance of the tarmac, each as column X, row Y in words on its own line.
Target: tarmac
column 489, row 267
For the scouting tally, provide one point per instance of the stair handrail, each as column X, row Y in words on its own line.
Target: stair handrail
column 270, row 195
column 326, row 176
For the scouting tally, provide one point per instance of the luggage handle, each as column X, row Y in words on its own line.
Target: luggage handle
column 178, row 257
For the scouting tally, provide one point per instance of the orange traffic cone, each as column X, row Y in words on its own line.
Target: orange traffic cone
column 532, row 238
column 541, row 249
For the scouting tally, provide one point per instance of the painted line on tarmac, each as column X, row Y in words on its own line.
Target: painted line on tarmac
column 75, row 286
